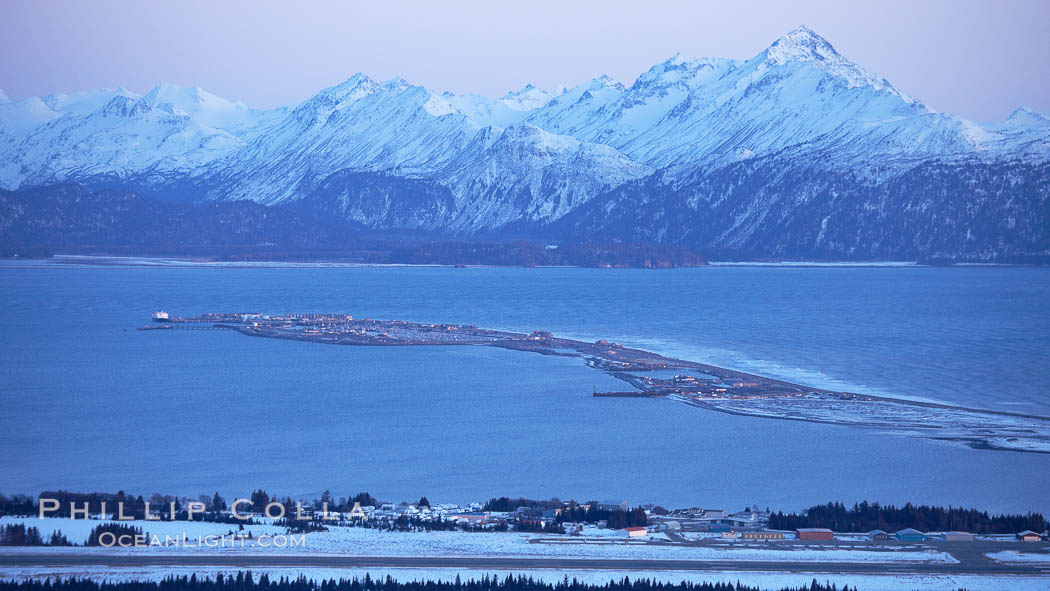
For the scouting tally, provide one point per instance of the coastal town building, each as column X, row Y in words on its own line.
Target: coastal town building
column 815, row 534
column 470, row 516
column 911, row 535
column 763, row 535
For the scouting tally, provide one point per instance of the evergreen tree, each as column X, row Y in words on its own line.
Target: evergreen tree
column 259, row 500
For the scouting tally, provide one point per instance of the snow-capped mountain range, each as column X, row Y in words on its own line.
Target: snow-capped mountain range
column 529, row 159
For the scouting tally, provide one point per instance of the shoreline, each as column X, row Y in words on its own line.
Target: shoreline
column 191, row 262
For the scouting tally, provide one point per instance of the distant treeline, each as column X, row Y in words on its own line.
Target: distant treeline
column 866, row 516
column 507, row 504
column 17, row 534
column 517, row 253
column 260, row 498
column 245, row 581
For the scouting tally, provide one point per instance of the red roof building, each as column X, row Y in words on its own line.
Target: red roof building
column 815, row 534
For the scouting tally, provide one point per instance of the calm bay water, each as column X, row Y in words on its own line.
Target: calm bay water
column 90, row 403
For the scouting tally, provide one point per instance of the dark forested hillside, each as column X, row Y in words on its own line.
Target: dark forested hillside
column 73, row 219
column 962, row 211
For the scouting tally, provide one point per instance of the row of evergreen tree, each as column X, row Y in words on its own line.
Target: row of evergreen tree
column 537, row 526
column 116, row 528
column 573, row 512
column 245, row 581
column 593, row 513
column 17, row 534
column 865, row 516
column 507, row 504
column 260, row 498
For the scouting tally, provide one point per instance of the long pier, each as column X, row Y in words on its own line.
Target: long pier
column 186, row 326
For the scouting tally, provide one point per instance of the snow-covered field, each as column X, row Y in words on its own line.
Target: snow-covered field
column 368, row 542
column 765, row 580
column 1015, row 556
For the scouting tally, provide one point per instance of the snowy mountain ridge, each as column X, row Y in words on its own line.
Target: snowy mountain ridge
column 526, row 159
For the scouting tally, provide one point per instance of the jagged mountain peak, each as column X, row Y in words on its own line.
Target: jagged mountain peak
column 350, row 90
column 396, row 84
column 124, row 106
column 1025, row 116
column 191, row 100
column 679, row 70
column 357, row 79
column 438, row 105
column 801, row 44
column 682, row 62
column 3, row 96
column 605, row 81
column 527, row 99
column 166, row 92
column 164, row 89
column 354, row 84
column 86, row 101
column 207, row 109
column 804, row 46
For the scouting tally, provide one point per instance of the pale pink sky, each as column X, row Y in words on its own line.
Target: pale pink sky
column 979, row 59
